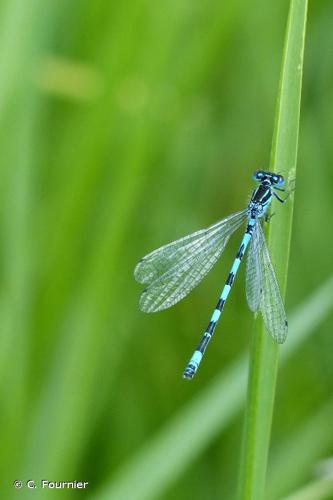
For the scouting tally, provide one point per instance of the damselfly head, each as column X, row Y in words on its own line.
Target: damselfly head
column 275, row 179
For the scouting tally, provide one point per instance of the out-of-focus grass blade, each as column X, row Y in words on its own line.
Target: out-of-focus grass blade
column 17, row 248
column 22, row 29
column 300, row 450
column 164, row 459
column 321, row 489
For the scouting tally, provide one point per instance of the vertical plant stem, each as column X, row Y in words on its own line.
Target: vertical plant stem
column 264, row 352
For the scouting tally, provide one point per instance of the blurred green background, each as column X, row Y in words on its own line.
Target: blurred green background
column 123, row 126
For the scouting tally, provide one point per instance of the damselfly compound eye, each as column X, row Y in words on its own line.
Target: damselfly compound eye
column 279, row 180
column 258, row 175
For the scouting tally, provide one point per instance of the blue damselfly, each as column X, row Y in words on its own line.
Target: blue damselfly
column 172, row 271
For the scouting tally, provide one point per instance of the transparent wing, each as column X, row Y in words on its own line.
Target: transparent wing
column 254, row 276
column 173, row 270
column 271, row 304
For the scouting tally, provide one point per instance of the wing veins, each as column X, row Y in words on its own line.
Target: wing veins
column 271, row 303
column 198, row 258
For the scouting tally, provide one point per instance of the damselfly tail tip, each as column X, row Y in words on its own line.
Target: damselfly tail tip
column 189, row 372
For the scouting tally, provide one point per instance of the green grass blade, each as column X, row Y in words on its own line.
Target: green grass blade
column 176, row 446
column 264, row 353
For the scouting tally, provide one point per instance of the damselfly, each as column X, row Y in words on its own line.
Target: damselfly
column 173, row 270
